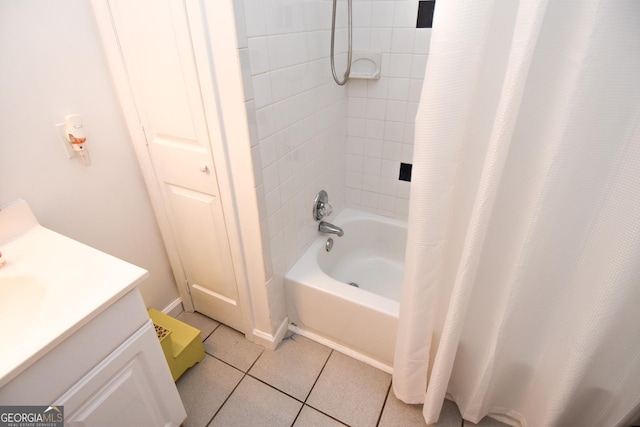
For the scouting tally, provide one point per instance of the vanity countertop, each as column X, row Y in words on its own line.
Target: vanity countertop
column 50, row 287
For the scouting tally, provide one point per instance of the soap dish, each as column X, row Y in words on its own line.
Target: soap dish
column 365, row 65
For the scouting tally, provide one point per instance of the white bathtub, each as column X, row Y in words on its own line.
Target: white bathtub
column 360, row 321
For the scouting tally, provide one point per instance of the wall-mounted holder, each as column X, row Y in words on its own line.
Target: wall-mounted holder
column 365, row 65
column 73, row 138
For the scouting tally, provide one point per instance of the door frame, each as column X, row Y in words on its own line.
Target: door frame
column 213, row 36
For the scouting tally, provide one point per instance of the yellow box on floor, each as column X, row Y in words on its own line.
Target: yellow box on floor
column 181, row 343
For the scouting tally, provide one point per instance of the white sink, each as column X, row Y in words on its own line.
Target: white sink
column 50, row 287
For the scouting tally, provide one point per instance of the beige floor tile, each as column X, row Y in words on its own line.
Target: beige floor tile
column 204, row 388
column 398, row 413
column 450, row 415
column 350, row 391
column 293, row 367
column 232, row 347
column 199, row 321
column 256, row 404
column 309, row 417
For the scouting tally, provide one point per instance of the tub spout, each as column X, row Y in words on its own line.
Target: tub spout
column 326, row 227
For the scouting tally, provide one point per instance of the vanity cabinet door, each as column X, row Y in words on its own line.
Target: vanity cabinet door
column 131, row 387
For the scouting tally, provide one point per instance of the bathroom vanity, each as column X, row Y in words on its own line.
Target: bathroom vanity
column 75, row 331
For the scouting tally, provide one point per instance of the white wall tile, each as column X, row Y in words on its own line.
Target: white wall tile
column 275, row 224
column 391, row 150
column 357, row 107
column 402, row 40
column 357, row 88
column 356, row 127
column 268, row 151
column 377, row 88
column 394, row 131
column 265, row 121
column 241, row 23
column 374, row 129
column 361, row 39
column 252, row 122
column 259, row 55
column 262, row 203
column 373, row 148
column 400, row 65
column 396, row 111
column 409, row 131
column 280, row 88
column 354, row 196
column 285, row 167
column 271, row 178
column 361, row 12
column 254, row 16
column 398, row 89
column 404, row 188
column 257, row 165
column 402, row 207
column 245, row 66
column 354, row 163
column 389, row 186
column 387, row 203
column 369, row 199
column 273, row 201
column 418, row 66
column 381, row 39
column 389, row 169
column 407, row 153
column 415, row 90
column 371, row 166
column 355, row 145
column 381, row 14
column 376, row 109
column 354, row 180
column 262, row 89
column 421, row 41
column 405, row 14
column 412, row 110
column 371, row 183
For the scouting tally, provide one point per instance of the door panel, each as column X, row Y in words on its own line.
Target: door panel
column 161, row 69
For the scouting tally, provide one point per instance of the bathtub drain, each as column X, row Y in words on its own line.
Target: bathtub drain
column 353, row 284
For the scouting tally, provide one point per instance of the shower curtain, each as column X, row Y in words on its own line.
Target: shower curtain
column 521, row 296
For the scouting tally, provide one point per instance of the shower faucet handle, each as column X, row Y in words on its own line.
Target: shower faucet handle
column 325, row 209
column 321, row 206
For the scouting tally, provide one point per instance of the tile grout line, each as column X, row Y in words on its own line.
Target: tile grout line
column 244, row 375
column 383, row 405
column 312, row 387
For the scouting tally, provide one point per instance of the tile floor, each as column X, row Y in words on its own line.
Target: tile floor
column 301, row 383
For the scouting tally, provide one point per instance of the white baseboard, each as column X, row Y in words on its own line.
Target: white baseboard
column 271, row 341
column 342, row 349
column 175, row 308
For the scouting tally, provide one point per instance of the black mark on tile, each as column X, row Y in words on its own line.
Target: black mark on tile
column 425, row 13
column 405, row 172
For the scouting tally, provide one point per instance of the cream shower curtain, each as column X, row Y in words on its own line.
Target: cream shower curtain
column 521, row 296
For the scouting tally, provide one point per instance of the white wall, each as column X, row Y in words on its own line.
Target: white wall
column 51, row 64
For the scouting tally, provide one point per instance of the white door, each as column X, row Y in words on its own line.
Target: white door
column 157, row 52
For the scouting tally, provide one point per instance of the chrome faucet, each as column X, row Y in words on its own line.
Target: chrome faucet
column 327, row 227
